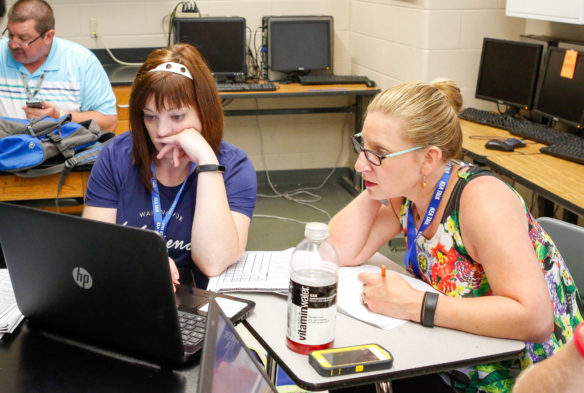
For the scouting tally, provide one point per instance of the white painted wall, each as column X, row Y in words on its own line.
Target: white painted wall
column 391, row 41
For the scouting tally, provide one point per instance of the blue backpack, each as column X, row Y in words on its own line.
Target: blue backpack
column 45, row 146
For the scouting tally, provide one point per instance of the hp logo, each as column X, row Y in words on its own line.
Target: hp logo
column 82, row 278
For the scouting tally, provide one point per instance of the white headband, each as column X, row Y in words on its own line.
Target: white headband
column 173, row 67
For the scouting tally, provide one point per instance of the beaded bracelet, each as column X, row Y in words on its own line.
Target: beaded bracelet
column 578, row 339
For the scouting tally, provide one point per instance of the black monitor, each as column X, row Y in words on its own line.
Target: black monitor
column 299, row 44
column 508, row 72
column 558, row 97
column 221, row 41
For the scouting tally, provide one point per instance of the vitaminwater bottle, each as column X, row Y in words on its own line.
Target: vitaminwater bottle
column 312, row 295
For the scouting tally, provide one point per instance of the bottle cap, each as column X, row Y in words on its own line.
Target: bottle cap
column 316, row 231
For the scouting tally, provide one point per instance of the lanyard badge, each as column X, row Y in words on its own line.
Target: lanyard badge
column 411, row 255
column 30, row 95
column 160, row 222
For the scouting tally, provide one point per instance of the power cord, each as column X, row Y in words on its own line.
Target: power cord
column 171, row 20
column 293, row 194
column 253, row 69
column 186, row 8
column 118, row 61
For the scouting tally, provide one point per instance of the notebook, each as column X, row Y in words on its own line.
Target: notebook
column 104, row 284
column 227, row 364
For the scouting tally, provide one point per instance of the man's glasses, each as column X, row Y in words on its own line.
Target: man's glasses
column 22, row 44
column 373, row 157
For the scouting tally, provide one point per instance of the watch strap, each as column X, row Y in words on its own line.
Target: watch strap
column 210, row 168
column 429, row 309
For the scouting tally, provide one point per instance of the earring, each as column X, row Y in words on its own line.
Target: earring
column 424, row 181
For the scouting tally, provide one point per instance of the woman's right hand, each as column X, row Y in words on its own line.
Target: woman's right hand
column 187, row 143
column 391, row 295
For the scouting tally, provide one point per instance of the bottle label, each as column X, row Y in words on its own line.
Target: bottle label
column 311, row 313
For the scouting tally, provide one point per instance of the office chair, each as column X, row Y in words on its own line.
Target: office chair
column 569, row 239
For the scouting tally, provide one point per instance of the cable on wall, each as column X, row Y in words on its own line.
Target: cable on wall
column 293, row 195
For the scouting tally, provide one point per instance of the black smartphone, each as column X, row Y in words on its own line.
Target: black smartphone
column 34, row 104
column 350, row 360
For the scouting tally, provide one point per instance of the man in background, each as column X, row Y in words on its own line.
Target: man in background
column 42, row 75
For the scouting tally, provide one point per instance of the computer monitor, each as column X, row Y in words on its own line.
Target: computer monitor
column 221, row 41
column 508, row 72
column 299, row 44
column 558, row 97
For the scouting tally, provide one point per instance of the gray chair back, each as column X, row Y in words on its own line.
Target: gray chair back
column 569, row 239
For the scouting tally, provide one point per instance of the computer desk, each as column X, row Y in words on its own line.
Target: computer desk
column 14, row 188
column 555, row 180
column 416, row 349
column 32, row 360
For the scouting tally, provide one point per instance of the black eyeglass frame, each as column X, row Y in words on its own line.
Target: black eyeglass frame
column 21, row 43
column 368, row 153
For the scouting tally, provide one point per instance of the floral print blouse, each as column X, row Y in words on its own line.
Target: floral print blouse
column 445, row 264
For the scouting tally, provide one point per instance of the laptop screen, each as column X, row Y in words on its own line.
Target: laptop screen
column 227, row 364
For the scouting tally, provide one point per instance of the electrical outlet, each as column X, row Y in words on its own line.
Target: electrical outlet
column 94, row 28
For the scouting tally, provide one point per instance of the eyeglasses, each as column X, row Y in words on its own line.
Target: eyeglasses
column 22, row 44
column 373, row 157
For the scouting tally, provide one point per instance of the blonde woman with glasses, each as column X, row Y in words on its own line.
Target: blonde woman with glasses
column 469, row 235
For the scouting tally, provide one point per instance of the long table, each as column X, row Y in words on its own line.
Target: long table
column 556, row 180
column 416, row 349
column 32, row 360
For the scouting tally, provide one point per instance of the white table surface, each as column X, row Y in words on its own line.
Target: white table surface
column 416, row 349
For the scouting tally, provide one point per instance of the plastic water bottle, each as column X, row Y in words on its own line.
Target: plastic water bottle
column 312, row 295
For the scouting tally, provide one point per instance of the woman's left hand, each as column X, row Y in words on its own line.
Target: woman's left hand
column 188, row 144
column 391, row 295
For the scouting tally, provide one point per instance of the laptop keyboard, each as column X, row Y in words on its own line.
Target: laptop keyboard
column 192, row 327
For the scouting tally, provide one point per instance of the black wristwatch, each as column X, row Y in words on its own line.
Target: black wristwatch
column 210, row 168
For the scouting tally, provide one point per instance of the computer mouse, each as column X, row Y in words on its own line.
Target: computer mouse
column 496, row 144
column 515, row 142
column 370, row 83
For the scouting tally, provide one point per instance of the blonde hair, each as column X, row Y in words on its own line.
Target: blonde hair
column 429, row 112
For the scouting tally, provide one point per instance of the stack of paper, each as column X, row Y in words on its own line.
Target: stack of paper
column 10, row 315
column 256, row 271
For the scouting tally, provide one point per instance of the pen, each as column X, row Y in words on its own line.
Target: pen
column 383, row 271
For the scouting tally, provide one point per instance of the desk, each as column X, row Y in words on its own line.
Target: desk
column 557, row 180
column 416, row 349
column 33, row 362
column 14, row 188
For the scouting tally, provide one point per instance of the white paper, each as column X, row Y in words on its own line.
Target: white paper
column 349, row 296
column 256, row 271
column 228, row 306
column 10, row 315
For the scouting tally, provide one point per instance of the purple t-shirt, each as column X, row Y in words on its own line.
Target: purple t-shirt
column 115, row 183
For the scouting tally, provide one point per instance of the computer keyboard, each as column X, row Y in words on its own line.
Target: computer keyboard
column 522, row 128
column 192, row 327
column 332, row 79
column 492, row 119
column 268, row 86
column 572, row 150
column 542, row 133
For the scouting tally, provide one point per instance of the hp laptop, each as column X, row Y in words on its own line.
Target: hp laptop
column 104, row 284
column 227, row 364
